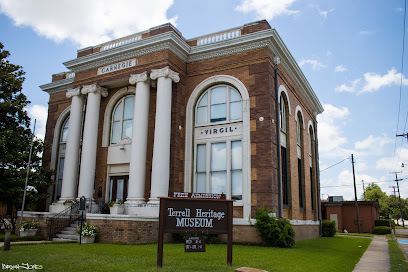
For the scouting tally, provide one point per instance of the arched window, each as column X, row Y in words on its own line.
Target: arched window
column 299, row 137
column 61, row 158
column 219, row 103
column 122, row 119
column 311, row 160
column 218, row 142
column 64, row 131
column 284, row 161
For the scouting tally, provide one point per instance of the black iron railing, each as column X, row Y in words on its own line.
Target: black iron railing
column 63, row 219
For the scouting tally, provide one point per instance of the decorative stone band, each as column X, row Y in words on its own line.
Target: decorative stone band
column 165, row 72
column 139, row 78
column 94, row 88
column 73, row 92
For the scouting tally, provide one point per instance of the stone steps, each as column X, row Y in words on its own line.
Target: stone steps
column 68, row 234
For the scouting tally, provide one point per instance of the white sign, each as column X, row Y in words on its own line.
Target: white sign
column 218, row 131
column 117, row 66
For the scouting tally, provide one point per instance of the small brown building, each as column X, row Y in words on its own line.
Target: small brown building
column 345, row 215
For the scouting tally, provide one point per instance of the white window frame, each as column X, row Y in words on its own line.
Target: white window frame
column 121, row 100
column 246, row 151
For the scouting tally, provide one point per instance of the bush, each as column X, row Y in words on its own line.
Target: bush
column 378, row 223
column 328, row 228
column 381, row 230
column 275, row 233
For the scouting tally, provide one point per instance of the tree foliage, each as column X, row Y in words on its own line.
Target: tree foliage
column 388, row 204
column 15, row 140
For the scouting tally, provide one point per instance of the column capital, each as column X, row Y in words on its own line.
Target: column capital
column 143, row 77
column 165, row 72
column 94, row 88
column 73, row 92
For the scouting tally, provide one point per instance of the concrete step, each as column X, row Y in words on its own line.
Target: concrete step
column 70, row 229
column 63, row 240
column 68, row 236
column 67, row 232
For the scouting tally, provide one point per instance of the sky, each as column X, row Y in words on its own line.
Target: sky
column 351, row 52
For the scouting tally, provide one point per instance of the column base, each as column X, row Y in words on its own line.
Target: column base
column 59, row 206
column 154, row 201
column 145, row 211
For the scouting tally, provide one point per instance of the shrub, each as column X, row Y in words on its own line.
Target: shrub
column 381, row 230
column 385, row 223
column 275, row 233
column 328, row 228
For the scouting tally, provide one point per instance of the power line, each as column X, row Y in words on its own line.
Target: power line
column 400, row 93
column 348, row 185
column 334, row 164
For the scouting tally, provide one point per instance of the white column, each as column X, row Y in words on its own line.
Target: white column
column 162, row 130
column 137, row 171
column 69, row 178
column 89, row 141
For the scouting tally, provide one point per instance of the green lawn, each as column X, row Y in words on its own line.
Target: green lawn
column 398, row 261
column 324, row 254
column 356, row 234
column 15, row 237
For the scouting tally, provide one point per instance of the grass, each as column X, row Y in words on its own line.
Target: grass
column 398, row 261
column 323, row 254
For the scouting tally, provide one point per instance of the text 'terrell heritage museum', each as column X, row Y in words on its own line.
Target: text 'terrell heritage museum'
column 152, row 114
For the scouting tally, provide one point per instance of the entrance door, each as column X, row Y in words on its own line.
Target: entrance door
column 118, row 188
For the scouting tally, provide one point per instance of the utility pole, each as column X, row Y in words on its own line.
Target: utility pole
column 355, row 194
column 399, row 197
column 364, row 190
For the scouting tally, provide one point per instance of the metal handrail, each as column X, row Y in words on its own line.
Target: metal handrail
column 63, row 219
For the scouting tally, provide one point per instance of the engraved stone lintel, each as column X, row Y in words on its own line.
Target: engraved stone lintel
column 139, row 78
column 165, row 72
column 94, row 88
column 73, row 92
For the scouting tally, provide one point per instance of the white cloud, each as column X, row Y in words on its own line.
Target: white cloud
column 324, row 13
column 350, row 88
column 373, row 82
column 372, row 143
column 40, row 113
column 330, row 133
column 393, row 163
column 267, row 9
column 340, row 68
column 87, row 22
column 316, row 65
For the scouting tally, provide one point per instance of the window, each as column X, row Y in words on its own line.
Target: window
column 219, row 103
column 284, row 159
column 299, row 139
column 64, row 131
column 312, row 186
column 282, row 114
column 224, row 172
column 118, row 188
column 218, row 142
column 122, row 119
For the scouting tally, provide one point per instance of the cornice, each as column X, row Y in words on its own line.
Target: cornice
column 168, row 40
column 58, row 86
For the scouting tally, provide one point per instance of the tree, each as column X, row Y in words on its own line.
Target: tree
column 15, row 139
column 373, row 192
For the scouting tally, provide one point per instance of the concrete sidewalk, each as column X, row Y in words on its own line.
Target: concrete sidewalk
column 376, row 257
column 25, row 243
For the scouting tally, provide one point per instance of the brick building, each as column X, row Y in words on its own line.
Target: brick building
column 154, row 113
column 345, row 214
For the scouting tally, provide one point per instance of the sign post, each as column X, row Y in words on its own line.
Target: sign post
column 82, row 207
column 195, row 213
